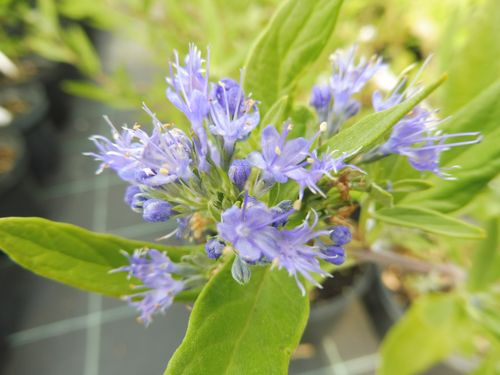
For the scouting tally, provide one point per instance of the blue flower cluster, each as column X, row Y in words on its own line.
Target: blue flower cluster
column 154, row 269
column 416, row 136
column 225, row 197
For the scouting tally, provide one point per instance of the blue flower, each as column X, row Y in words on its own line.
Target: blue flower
column 214, row 248
column 320, row 167
column 321, row 98
column 122, row 155
column 416, row 135
column 416, row 138
column 154, row 269
column 334, row 254
column 340, row 235
column 280, row 159
column 232, row 115
column 347, row 79
column 139, row 158
column 130, row 193
column 188, row 91
column 188, row 86
column 281, row 212
column 239, row 171
column 156, row 210
column 297, row 256
column 249, row 229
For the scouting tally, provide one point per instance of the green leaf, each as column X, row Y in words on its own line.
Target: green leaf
column 486, row 262
column 277, row 113
column 365, row 133
column 107, row 94
column 72, row 255
column 302, row 119
column 431, row 329
column 380, row 195
column 428, row 220
column 50, row 49
column 88, row 60
column 292, row 41
column 243, row 329
column 480, row 114
column 473, row 61
column 410, row 186
column 478, row 165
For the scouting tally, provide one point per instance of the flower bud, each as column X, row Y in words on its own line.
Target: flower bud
column 352, row 108
column 214, row 248
column 334, row 254
column 321, row 97
column 228, row 93
column 130, row 193
column 281, row 213
column 239, row 172
column 240, row 271
column 156, row 210
column 138, row 202
column 341, row 235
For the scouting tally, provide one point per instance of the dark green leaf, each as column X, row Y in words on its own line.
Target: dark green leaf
column 73, row 255
column 428, row 220
column 293, row 40
column 249, row 329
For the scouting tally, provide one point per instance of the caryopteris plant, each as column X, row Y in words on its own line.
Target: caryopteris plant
column 272, row 194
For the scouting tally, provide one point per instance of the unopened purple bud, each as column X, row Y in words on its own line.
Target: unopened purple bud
column 228, row 93
column 286, row 205
column 352, row 108
column 281, row 213
column 321, row 97
column 130, row 192
column 334, row 254
column 214, row 248
column 138, row 201
column 341, row 235
column 238, row 172
column 156, row 210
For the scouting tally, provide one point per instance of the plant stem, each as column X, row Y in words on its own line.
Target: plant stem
column 394, row 259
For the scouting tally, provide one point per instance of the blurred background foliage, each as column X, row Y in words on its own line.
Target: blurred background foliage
column 461, row 33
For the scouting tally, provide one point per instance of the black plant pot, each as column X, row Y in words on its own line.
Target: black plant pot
column 17, row 190
column 15, row 286
column 337, row 293
column 51, row 75
column 327, row 307
column 13, row 161
column 27, row 102
column 384, row 308
column 15, row 200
